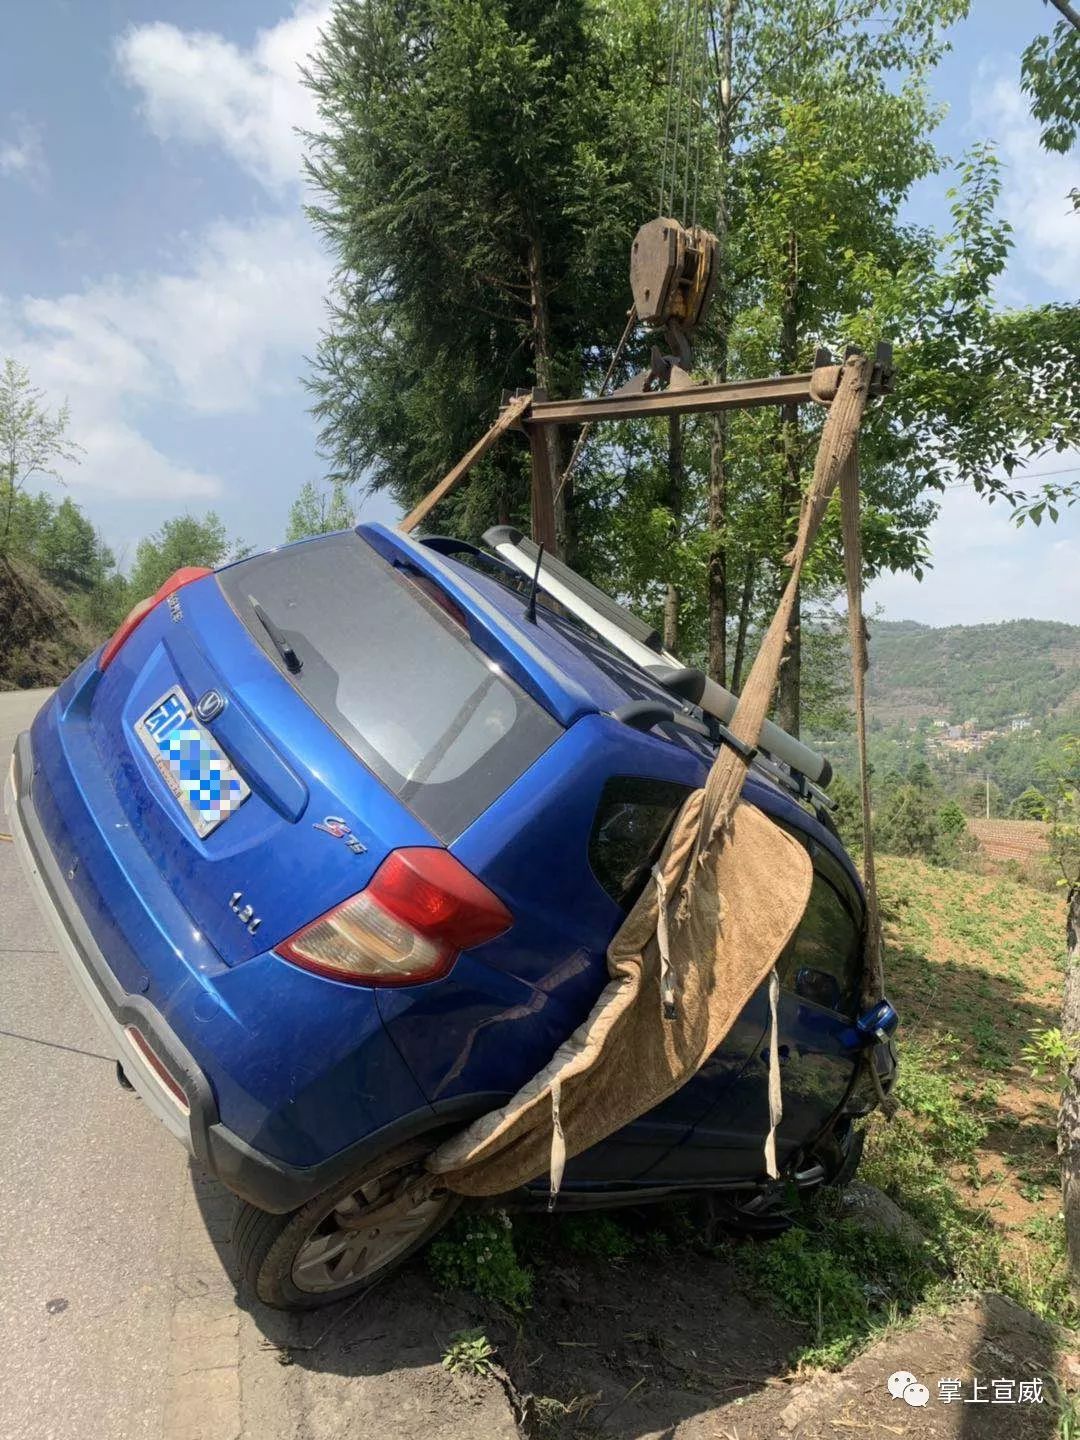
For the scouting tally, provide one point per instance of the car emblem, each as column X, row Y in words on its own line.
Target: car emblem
column 209, row 706
column 337, row 827
column 244, row 913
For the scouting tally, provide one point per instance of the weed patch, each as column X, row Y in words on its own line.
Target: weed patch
column 470, row 1352
column 841, row 1280
column 476, row 1252
column 597, row 1236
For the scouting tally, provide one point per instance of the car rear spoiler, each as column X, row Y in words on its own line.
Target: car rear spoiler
column 634, row 639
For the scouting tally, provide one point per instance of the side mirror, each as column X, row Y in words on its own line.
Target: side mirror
column 818, row 986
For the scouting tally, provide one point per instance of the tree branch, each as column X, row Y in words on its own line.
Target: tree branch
column 1064, row 8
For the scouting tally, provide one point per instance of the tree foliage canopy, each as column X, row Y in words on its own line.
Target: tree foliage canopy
column 183, row 540
column 319, row 509
column 480, row 166
column 1050, row 74
column 480, row 170
column 33, row 441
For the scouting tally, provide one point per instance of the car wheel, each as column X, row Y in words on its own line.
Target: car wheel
column 761, row 1216
column 346, row 1238
column 770, row 1212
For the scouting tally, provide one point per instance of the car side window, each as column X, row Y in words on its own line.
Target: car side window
column 631, row 824
column 822, row 960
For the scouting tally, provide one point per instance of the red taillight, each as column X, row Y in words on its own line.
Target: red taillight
column 420, row 911
column 139, row 612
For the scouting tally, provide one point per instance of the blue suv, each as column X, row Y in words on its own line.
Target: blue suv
column 334, row 840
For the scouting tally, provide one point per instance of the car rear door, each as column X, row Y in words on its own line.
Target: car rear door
column 358, row 751
column 819, row 988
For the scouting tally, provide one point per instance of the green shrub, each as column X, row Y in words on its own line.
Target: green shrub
column 842, row 1280
column 906, row 823
column 470, row 1352
column 951, row 1130
column 476, row 1252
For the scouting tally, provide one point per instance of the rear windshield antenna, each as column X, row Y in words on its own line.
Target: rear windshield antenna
column 530, row 609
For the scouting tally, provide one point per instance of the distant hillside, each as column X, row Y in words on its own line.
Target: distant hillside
column 40, row 640
column 984, row 672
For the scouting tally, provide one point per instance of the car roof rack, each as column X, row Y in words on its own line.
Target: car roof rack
column 626, row 633
column 683, row 682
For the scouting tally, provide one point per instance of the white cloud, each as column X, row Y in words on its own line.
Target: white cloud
column 217, row 335
column 22, row 152
column 987, row 569
column 198, row 86
column 1033, row 198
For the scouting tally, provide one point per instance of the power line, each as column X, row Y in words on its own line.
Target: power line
column 1022, row 475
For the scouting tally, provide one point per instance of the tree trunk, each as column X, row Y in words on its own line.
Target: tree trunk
column 789, row 690
column 9, row 499
column 671, row 619
column 788, row 698
column 717, row 519
column 1064, row 8
column 717, row 584
column 1069, row 1115
column 676, row 479
column 746, row 600
column 543, row 364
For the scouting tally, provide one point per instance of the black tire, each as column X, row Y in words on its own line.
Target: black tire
column 267, row 1247
column 852, row 1161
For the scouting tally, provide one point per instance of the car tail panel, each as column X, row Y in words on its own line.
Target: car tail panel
column 272, row 863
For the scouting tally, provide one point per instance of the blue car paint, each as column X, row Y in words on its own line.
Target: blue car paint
column 303, row 1066
column 298, row 1067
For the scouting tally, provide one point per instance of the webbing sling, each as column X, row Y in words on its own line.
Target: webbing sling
column 741, row 864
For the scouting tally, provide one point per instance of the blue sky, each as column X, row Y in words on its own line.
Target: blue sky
column 156, row 269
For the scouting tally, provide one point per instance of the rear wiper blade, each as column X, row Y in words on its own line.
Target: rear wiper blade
column 293, row 663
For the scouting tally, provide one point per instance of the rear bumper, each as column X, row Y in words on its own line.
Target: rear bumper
column 264, row 1180
column 115, row 1011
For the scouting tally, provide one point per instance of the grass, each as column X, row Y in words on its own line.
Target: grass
column 974, row 966
column 470, row 1352
column 476, row 1252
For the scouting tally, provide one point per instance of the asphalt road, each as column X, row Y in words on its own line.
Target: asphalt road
column 93, row 1194
column 118, row 1316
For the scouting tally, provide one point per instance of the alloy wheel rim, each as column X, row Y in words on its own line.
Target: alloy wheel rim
column 333, row 1256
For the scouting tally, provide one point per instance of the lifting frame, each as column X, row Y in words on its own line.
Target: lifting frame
column 534, row 412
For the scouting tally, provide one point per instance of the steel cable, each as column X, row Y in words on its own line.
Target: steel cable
column 583, row 434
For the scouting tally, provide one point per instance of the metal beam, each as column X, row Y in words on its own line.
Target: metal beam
column 695, row 399
column 509, row 416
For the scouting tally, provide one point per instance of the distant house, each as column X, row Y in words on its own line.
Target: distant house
column 1020, row 722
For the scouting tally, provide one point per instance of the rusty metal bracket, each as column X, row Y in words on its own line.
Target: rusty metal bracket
column 640, row 399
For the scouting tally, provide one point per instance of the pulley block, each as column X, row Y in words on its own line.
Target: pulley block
column 672, row 273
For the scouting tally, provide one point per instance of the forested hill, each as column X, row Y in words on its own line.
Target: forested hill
column 981, row 672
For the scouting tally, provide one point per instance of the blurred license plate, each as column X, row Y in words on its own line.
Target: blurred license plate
column 206, row 786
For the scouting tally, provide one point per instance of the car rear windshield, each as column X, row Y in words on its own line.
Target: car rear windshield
column 393, row 673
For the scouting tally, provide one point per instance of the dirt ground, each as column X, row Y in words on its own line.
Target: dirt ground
column 656, row 1348
column 673, row 1345
column 973, row 964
